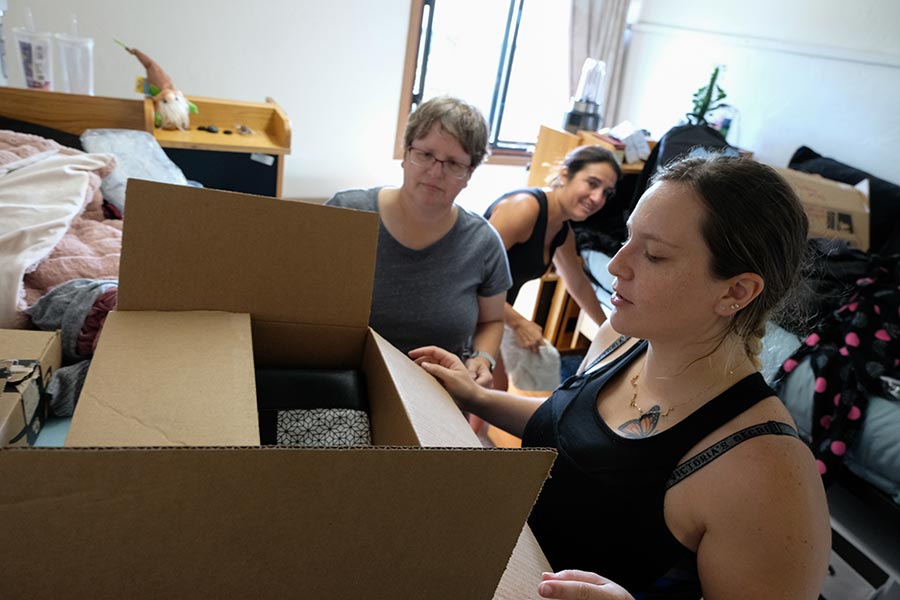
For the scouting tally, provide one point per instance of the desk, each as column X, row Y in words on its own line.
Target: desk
column 553, row 145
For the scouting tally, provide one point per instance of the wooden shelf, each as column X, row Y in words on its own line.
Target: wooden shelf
column 194, row 151
column 73, row 113
column 271, row 127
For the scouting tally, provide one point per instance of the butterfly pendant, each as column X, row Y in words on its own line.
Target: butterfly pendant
column 643, row 426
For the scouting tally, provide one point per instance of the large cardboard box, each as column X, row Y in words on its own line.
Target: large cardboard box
column 27, row 361
column 835, row 210
column 164, row 491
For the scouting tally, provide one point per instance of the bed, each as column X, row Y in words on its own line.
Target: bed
column 59, row 241
column 62, row 208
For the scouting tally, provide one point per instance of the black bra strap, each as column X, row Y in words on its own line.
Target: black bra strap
column 612, row 348
column 704, row 457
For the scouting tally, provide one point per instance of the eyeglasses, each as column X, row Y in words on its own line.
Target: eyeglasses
column 426, row 160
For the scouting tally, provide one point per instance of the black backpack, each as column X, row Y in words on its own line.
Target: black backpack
column 678, row 142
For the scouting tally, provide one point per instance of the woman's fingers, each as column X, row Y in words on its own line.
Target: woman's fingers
column 580, row 585
column 435, row 355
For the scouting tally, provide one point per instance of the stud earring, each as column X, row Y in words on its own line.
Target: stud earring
column 734, row 306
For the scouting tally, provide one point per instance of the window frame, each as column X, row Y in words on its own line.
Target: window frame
column 415, row 45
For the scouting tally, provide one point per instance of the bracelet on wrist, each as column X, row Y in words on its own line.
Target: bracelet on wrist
column 485, row 355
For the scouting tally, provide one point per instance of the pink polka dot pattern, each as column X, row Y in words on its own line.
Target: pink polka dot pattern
column 850, row 348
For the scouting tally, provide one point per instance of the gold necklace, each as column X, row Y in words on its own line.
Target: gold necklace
column 633, row 403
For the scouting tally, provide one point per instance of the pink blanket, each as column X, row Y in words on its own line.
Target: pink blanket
column 90, row 249
column 44, row 189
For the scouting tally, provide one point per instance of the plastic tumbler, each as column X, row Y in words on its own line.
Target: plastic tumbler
column 76, row 64
column 36, row 53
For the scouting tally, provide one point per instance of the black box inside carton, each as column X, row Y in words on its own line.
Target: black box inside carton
column 283, row 392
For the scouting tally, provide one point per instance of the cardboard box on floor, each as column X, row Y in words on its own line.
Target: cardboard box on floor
column 23, row 401
column 835, row 210
column 161, row 492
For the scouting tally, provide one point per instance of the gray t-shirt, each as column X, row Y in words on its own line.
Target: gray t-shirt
column 430, row 296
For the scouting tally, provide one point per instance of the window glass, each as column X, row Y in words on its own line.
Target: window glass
column 538, row 92
column 487, row 53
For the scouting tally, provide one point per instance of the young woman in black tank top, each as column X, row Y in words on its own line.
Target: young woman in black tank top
column 679, row 474
column 534, row 226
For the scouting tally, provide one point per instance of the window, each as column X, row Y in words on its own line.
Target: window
column 507, row 57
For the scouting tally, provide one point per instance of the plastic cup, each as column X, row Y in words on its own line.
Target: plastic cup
column 76, row 63
column 36, row 53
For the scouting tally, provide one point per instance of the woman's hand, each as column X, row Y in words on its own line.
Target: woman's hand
column 529, row 335
column 580, row 585
column 447, row 368
column 480, row 370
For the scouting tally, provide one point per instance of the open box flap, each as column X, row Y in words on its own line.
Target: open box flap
column 429, row 408
column 186, row 248
column 169, row 379
column 264, row 522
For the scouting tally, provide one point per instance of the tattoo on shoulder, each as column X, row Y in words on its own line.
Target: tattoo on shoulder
column 643, row 426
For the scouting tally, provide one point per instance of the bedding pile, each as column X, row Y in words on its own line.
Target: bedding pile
column 44, row 191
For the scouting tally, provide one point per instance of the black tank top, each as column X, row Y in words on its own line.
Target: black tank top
column 601, row 510
column 526, row 260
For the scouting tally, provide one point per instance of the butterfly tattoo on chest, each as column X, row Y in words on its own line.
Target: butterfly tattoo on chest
column 644, row 426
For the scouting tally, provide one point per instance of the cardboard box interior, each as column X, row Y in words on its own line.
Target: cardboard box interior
column 181, row 497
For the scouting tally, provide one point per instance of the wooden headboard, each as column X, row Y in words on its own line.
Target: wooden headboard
column 74, row 113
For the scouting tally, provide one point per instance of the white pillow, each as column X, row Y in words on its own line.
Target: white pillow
column 138, row 155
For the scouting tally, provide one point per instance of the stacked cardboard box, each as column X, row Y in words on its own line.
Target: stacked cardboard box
column 27, row 361
column 835, row 210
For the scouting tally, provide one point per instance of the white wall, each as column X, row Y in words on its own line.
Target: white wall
column 821, row 73
column 334, row 67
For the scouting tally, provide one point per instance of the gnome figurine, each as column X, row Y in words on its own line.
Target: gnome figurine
column 172, row 109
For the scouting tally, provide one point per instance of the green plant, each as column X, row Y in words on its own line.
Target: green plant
column 707, row 98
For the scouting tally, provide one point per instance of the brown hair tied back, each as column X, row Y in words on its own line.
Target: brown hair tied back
column 754, row 223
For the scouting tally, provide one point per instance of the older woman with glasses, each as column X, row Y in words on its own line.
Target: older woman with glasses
column 534, row 226
column 441, row 273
